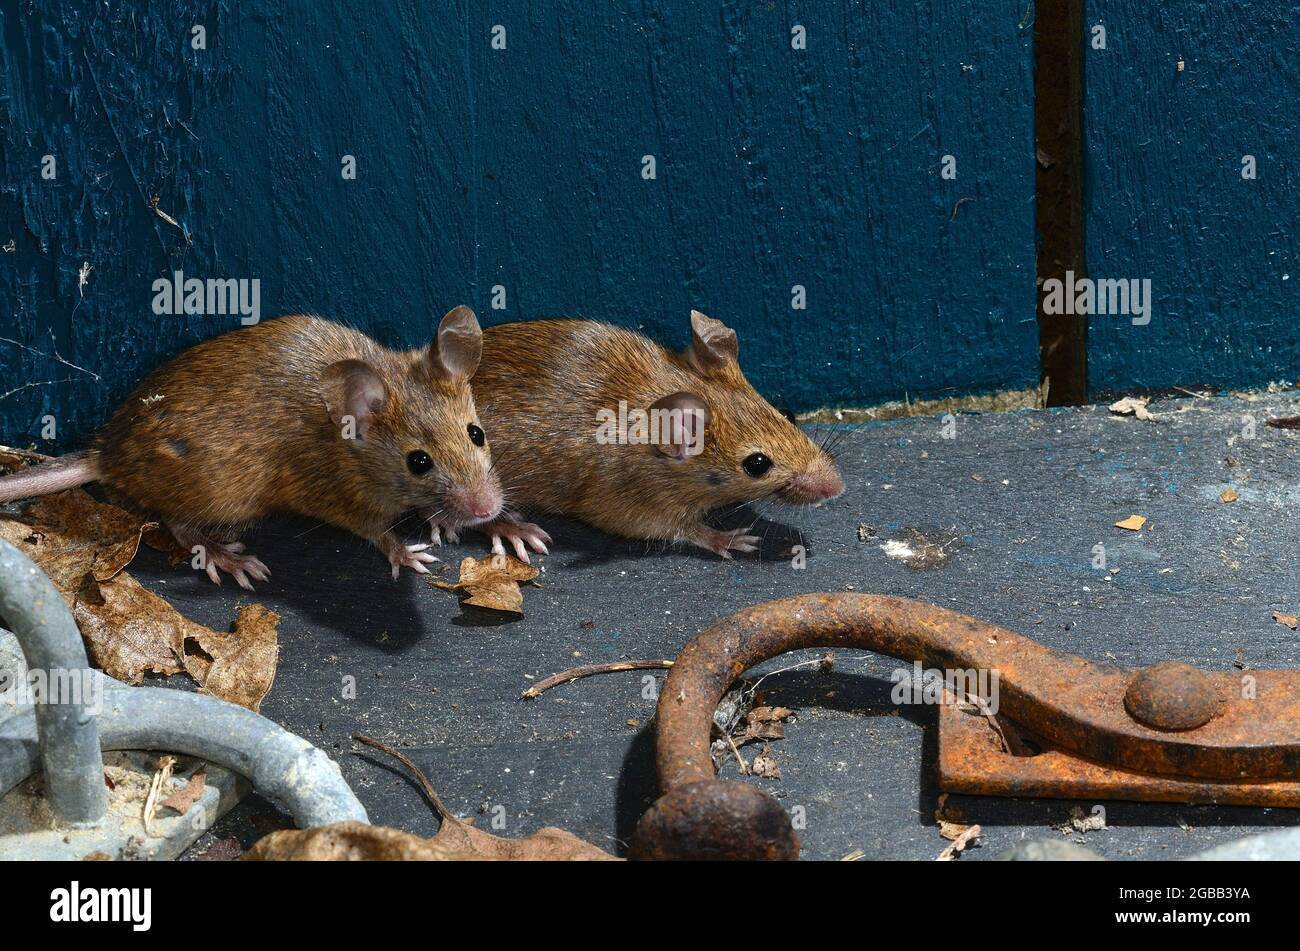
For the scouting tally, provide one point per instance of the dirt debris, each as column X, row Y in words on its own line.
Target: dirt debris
column 1135, row 406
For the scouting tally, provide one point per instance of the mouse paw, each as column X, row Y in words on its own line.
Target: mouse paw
column 723, row 543
column 438, row 532
column 240, row 565
column 216, row 557
column 401, row 555
column 521, row 535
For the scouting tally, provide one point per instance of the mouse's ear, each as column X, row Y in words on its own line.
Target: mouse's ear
column 677, row 424
column 713, row 343
column 353, row 393
column 455, row 351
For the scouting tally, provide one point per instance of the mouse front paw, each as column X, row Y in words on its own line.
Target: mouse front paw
column 723, row 543
column 521, row 535
column 401, row 555
column 438, row 531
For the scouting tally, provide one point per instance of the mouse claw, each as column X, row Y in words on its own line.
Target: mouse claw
column 231, row 557
column 722, row 543
column 521, row 535
column 402, row 556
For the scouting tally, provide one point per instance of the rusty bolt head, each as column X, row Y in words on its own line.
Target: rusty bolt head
column 1171, row 696
column 715, row 820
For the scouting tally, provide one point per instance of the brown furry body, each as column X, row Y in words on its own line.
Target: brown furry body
column 255, row 421
column 542, row 383
column 255, row 440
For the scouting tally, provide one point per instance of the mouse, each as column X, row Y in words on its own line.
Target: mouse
column 572, row 405
column 300, row 415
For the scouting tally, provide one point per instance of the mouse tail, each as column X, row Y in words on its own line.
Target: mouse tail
column 44, row 478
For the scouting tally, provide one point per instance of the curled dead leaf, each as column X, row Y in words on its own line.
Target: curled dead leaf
column 84, row 545
column 1290, row 620
column 960, row 844
column 238, row 666
column 765, row 765
column 70, row 534
column 1228, row 495
column 12, row 459
column 762, row 723
column 184, row 798
column 492, row 582
column 1135, row 406
column 456, row 841
column 1133, row 523
column 129, row 631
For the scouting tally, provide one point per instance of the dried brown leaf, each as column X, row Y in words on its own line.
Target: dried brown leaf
column 960, row 844
column 455, row 841
column 84, row 546
column 105, row 534
column 952, row 831
column 238, row 666
column 1132, row 405
column 69, row 534
column 13, row 459
column 764, row 765
column 1133, row 523
column 184, row 798
column 1290, row 620
column 492, row 582
column 762, row 723
column 129, row 631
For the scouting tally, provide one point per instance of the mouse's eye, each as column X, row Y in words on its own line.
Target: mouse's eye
column 788, row 413
column 756, row 464
column 419, row 462
column 475, row 435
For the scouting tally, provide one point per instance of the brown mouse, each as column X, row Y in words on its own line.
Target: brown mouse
column 297, row 415
column 550, row 394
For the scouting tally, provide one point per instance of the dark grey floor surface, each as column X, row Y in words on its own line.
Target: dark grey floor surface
column 1018, row 499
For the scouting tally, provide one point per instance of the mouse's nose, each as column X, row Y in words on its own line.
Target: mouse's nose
column 481, row 502
column 819, row 484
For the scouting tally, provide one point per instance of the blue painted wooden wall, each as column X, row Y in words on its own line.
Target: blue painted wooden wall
column 523, row 167
column 1165, row 195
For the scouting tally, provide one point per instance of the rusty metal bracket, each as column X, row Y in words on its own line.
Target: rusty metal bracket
column 1169, row 732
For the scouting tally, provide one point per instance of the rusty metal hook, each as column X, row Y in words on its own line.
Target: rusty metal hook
column 1170, row 719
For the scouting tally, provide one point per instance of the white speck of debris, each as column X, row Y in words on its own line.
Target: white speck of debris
column 83, row 277
column 898, row 550
column 886, row 487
